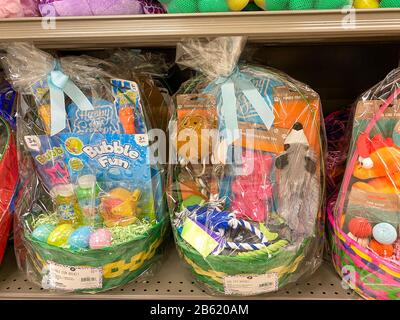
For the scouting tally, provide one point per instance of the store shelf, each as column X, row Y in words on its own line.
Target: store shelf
column 173, row 281
column 165, row 30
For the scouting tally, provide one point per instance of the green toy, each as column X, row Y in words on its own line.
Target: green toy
column 192, row 6
column 390, row 4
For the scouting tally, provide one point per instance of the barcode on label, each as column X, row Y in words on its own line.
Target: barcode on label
column 88, row 279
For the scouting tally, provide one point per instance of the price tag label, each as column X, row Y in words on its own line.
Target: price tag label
column 68, row 278
column 251, row 284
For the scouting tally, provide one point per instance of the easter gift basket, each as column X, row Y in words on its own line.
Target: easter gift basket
column 245, row 183
column 8, row 164
column 90, row 213
column 365, row 221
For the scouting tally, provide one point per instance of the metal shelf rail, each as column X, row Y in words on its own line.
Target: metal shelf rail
column 166, row 30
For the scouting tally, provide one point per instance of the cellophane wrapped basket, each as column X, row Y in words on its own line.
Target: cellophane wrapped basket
column 90, row 215
column 246, row 174
column 364, row 223
column 8, row 163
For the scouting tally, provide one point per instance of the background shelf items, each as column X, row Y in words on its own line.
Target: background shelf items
column 173, row 281
column 166, row 30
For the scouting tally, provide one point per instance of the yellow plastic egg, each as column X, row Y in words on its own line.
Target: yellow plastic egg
column 366, row 4
column 59, row 236
column 237, row 5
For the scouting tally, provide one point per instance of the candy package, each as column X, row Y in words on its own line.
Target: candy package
column 8, row 164
column 246, row 177
column 365, row 222
column 91, row 214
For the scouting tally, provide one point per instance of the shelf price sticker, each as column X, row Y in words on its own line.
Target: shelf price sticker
column 251, row 284
column 69, row 278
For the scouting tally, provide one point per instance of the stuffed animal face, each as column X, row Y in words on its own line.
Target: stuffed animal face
column 385, row 161
column 297, row 152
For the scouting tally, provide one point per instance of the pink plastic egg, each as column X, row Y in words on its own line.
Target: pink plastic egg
column 100, row 238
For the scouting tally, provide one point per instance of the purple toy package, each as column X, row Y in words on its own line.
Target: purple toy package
column 98, row 7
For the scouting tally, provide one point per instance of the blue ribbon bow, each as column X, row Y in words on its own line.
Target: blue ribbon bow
column 228, row 103
column 59, row 83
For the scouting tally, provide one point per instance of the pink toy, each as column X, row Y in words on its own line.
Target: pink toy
column 100, row 238
column 98, row 7
column 253, row 189
column 18, row 8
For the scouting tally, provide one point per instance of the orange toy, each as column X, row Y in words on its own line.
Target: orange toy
column 384, row 175
column 383, row 250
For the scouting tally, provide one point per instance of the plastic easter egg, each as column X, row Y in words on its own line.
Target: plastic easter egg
column 366, row 4
column 43, row 232
column 100, row 238
column 79, row 239
column 237, row 5
column 60, row 235
column 384, row 233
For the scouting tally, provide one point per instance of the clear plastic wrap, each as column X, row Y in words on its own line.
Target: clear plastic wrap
column 98, row 8
column 8, row 163
column 365, row 222
column 338, row 130
column 150, row 71
column 246, row 177
column 91, row 212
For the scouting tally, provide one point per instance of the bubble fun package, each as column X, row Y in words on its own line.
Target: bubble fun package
column 91, row 214
column 8, row 164
column 365, row 222
column 246, row 176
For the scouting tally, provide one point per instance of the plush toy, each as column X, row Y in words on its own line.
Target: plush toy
column 298, row 188
column 18, row 8
column 98, row 8
column 377, row 166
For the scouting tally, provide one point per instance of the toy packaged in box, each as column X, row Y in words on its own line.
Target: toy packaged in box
column 91, row 214
column 246, row 176
column 8, row 164
column 365, row 223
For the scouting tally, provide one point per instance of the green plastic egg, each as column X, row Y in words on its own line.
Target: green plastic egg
column 213, row 6
column 183, row 6
column 252, row 7
column 390, row 4
column 332, row 4
column 301, row 4
column 60, row 235
column 273, row 5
